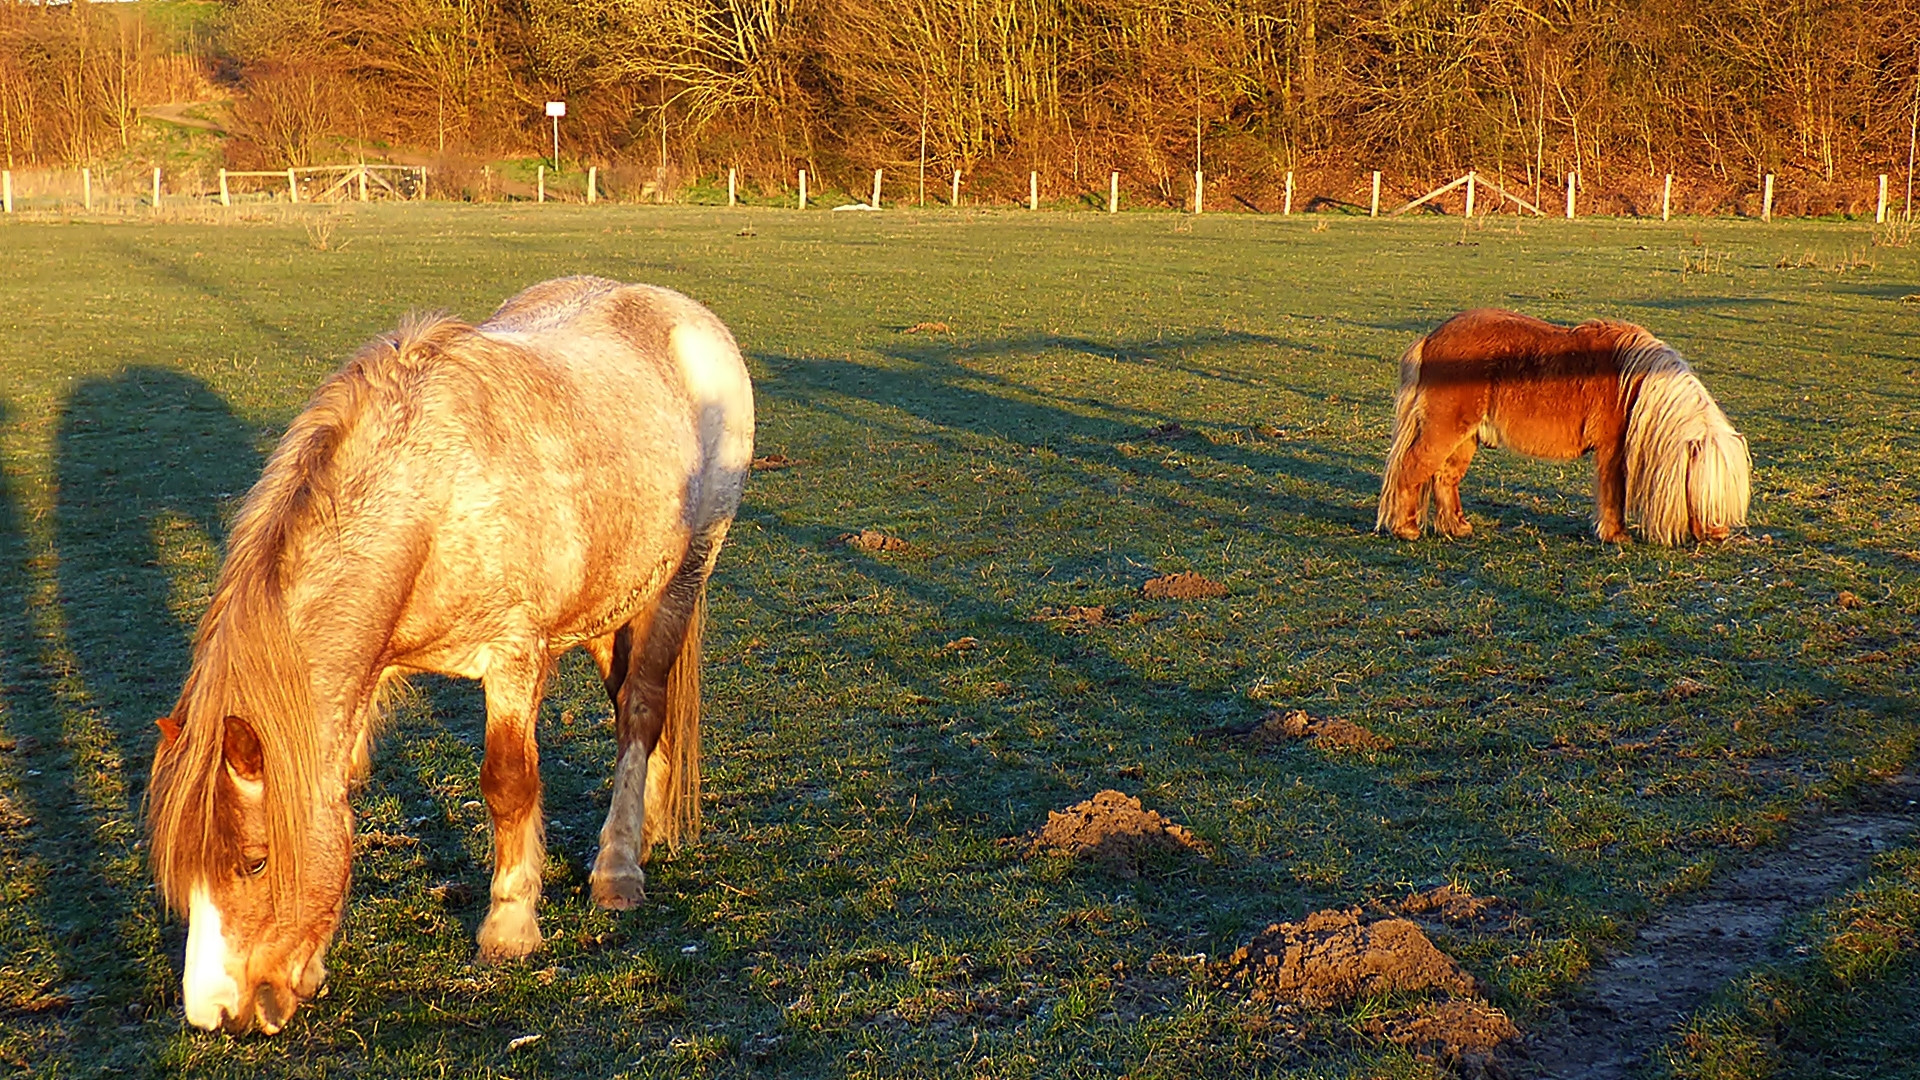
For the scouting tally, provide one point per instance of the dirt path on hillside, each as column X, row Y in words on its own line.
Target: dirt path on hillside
column 1633, row 1002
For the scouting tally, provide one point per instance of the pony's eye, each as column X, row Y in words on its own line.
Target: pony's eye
column 257, row 866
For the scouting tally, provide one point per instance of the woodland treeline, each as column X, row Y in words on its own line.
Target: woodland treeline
column 1821, row 92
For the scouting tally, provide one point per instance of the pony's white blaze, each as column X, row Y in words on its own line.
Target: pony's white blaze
column 210, row 990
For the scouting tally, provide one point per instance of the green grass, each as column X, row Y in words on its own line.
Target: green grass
column 1844, row 1007
column 854, row 909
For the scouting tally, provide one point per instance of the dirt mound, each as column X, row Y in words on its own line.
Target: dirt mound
column 873, row 540
column 1168, row 432
column 1451, row 904
column 1185, row 585
column 1459, row 1032
column 1074, row 615
column 773, row 462
column 929, row 328
column 1331, row 733
column 1331, row 958
column 1113, row 831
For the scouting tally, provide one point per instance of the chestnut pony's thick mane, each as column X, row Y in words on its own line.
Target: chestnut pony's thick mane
column 246, row 661
column 1667, row 409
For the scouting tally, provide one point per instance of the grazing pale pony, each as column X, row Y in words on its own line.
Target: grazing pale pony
column 1665, row 456
column 474, row 501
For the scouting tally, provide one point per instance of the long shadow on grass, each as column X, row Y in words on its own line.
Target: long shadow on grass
column 940, row 390
column 138, row 455
column 40, row 838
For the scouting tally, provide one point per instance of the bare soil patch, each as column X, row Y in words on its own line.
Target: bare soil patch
column 929, row 328
column 773, row 462
column 1329, row 733
column 1168, row 432
column 1185, row 585
column 1113, row 831
column 872, row 541
column 1635, row 1001
column 1333, row 958
column 1463, row 1033
column 1075, row 615
column 1452, row 905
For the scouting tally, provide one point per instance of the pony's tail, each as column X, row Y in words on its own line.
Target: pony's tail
column 1688, row 470
column 673, row 815
column 1409, row 415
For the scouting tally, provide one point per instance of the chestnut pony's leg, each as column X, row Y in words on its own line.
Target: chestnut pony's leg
column 1610, row 491
column 1450, row 518
column 510, row 781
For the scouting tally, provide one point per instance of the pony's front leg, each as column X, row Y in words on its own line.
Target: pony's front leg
column 510, row 781
column 1610, row 491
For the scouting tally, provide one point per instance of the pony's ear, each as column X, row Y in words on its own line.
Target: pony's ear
column 240, row 745
column 169, row 730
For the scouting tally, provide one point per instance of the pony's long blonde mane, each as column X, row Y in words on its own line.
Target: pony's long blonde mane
column 246, row 660
column 1682, row 453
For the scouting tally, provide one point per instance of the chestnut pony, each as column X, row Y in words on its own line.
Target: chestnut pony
column 1665, row 456
column 473, row 501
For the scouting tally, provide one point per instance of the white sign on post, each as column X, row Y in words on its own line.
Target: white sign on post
column 556, row 109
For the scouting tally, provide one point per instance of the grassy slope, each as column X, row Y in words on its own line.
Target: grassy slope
column 853, row 910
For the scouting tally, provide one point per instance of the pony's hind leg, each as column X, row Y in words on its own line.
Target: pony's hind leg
column 1410, row 481
column 1449, row 517
column 510, row 781
column 641, row 711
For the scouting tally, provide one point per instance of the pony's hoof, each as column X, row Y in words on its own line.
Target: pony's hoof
column 508, row 934
column 1614, row 536
column 1407, row 532
column 1458, row 530
column 620, row 890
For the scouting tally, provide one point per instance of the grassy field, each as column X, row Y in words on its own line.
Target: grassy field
column 1585, row 731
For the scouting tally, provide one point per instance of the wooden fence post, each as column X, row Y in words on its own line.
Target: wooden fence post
column 876, row 189
column 956, row 187
column 423, row 183
column 1286, row 208
column 1374, row 211
column 1666, row 200
column 225, row 200
column 1033, row 190
column 6, row 178
column 733, row 188
column 293, row 186
column 1766, row 200
column 593, row 184
column 542, row 180
column 1199, row 191
column 360, row 177
column 1570, row 188
column 803, row 189
column 1880, row 209
column 156, row 187
column 1113, row 192
column 86, row 188
column 1471, row 177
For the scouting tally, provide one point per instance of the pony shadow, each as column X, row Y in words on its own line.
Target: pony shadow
column 935, row 387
